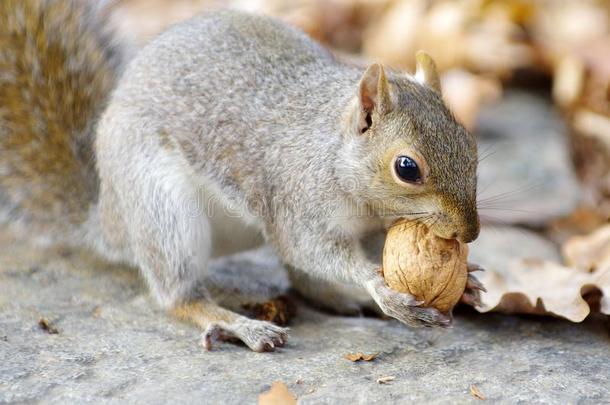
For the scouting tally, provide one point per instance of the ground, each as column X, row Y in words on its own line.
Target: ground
column 113, row 345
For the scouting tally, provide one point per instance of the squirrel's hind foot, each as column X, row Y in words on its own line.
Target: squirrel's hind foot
column 260, row 336
column 220, row 324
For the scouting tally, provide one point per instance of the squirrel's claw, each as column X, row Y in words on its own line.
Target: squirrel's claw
column 404, row 307
column 474, row 267
column 474, row 283
column 429, row 317
column 260, row 336
column 472, row 293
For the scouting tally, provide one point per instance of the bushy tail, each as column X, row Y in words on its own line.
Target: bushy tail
column 57, row 68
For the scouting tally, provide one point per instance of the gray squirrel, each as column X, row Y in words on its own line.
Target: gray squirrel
column 227, row 130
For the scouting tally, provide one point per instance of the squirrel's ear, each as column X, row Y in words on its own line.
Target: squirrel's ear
column 425, row 71
column 374, row 95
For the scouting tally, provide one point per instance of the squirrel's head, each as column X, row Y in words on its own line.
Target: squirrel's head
column 406, row 155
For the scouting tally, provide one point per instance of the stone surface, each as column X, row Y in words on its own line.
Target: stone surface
column 115, row 346
column 525, row 174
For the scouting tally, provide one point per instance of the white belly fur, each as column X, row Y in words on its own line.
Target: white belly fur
column 234, row 228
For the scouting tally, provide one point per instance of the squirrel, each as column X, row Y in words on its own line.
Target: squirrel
column 227, row 130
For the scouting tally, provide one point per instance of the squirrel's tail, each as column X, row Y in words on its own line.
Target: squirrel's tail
column 58, row 65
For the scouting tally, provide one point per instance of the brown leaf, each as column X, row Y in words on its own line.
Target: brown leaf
column 540, row 287
column 97, row 312
column 278, row 310
column 590, row 252
column 476, row 393
column 584, row 219
column 466, row 93
column 45, row 325
column 400, row 20
column 360, row 356
column 568, row 80
column 278, row 394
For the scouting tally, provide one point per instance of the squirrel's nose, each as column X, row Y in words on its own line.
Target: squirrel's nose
column 469, row 233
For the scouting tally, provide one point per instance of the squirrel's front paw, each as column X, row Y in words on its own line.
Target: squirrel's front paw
column 472, row 293
column 405, row 307
column 260, row 336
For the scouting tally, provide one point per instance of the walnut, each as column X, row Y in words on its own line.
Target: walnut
column 417, row 262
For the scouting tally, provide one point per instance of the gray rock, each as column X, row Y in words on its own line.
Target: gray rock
column 526, row 174
column 115, row 346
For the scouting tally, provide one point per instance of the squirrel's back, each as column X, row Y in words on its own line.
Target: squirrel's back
column 57, row 67
column 232, row 88
column 243, row 62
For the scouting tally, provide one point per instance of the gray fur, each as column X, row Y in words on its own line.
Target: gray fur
column 250, row 116
column 227, row 130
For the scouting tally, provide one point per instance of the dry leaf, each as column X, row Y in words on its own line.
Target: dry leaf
column 591, row 152
column 474, row 391
column 45, row 325
column 517, row 283
column 583, row 220
column 400, row 23
column 97, row 312
column 544, row 288
column 493, row 46
column 278, row 394
column 278, row 310
column 589, row 252
column 563, row 26
column 568, row 80
column 594, row 125
column 386, row 380
column 361, row 356
column 465, row 94
column 456, row 34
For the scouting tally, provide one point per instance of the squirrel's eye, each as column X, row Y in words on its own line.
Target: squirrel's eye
column 407, row 169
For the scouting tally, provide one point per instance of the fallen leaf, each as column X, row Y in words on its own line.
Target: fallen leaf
column 593, row 124
column 45, row 325
column 386, row 380
column 476, row 393
column 569, row 25
column 278, row 310
column 568, row 80
column 278, row 394
column 400, row 20
column 360, row 356
column 465, row 93
column 491, row 43
column 540, row 287
column 97, row 312
column 590, row 128
column 589, row 252
column 583, row 220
